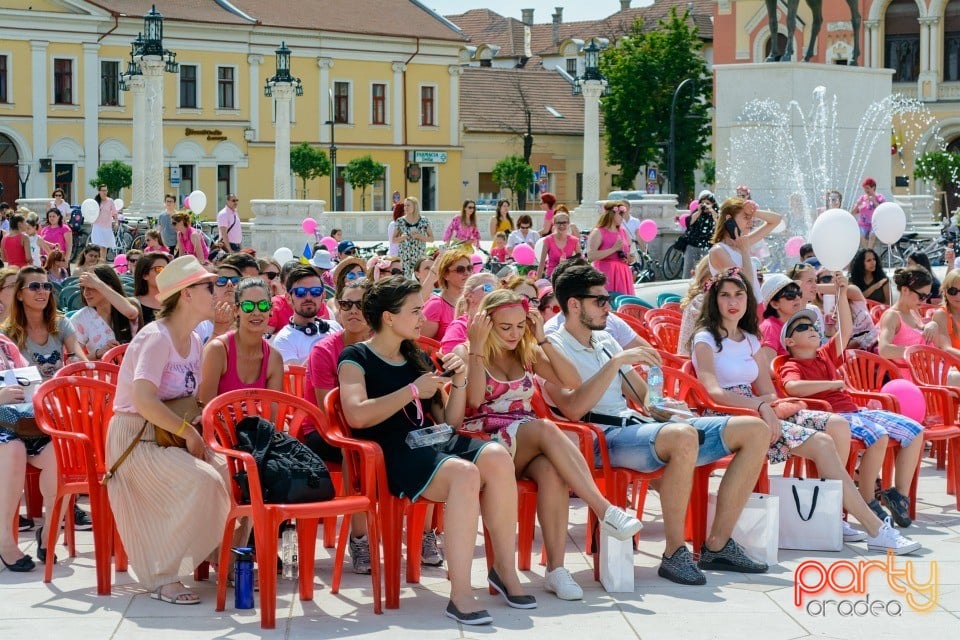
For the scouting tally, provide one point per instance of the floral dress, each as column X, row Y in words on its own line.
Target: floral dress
column 506, row 405
column 411, row 249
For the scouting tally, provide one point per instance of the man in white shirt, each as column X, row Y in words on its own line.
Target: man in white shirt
column 228, row 224
column 305, row 294
column 677, row 447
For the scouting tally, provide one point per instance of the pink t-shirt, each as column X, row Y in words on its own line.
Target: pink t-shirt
column 151, row 356
column 440, row 311
column 455, row 335
column 322, row 370
column 770, row 329
column 56, row 235
column 457, row 230
column 108, row 211
column 11, row 354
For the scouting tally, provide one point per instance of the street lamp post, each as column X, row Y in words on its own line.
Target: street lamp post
column 148, row 61
column 282, row 87
column 333, row 157
column 672, row 145
column 591, row 85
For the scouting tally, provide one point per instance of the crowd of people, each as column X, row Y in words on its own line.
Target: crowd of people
column 196, row 327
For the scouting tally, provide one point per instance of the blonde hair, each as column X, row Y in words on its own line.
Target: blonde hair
column 474, row 281
column 526, row 350
column 701, row 273
column 609, row 212
column 450, row 258
column 952, row 279
column 729, row 208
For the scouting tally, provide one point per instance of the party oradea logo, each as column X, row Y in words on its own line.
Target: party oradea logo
column 814, row 582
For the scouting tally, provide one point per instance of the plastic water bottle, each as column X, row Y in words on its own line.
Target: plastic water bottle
column 243, row 578
column 288, row 551
column 655, row 385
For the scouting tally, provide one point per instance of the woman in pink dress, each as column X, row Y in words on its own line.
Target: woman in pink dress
column 557, row 246
column 463, row 228
column 608, row 248
column 863, row 210
column 101, row 231
column 58, row 233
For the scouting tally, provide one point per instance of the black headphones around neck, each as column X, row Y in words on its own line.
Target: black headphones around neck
column 311, row 329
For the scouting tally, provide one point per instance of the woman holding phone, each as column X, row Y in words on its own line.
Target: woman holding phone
column 735, row 235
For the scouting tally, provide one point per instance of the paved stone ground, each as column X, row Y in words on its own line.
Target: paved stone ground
column 729, row 606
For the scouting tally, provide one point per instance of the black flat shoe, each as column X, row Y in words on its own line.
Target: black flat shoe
column 22, row 565
column 517, row 602
column 473, row 618
column 41, row 552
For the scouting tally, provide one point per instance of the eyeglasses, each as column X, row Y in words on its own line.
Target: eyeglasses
column 346, row 305
column 270, row 275
column 923, row 296
column 158, row 268
column 471, row 207
column 396, row 271
column 301, row 292
column 248, row 306
column 788, row 294
column 523, row 228
column 561, row 223
column 801, row 327
column 535, row 302
column 353, row 275
column 602, row 300
column 461, row 269
column 38, row 286
column 952, row 291
column 233, row 200
column 222, row 281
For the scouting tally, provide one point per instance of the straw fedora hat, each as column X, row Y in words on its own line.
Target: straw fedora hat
column 179, row 274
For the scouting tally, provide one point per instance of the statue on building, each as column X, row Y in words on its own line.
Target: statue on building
column 816, row 6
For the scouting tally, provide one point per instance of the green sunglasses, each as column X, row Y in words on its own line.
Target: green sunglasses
column 248, row 306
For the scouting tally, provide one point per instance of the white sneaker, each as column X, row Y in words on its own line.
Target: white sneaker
column 620, row 524
column 889, row 539
column 852, row 535
column 560, row 582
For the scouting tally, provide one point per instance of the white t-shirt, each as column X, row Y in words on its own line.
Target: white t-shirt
column 616, row 327
column 516, row 238
column 631, row 226
column 734, row 365
column 294, row 345
column 394, row 250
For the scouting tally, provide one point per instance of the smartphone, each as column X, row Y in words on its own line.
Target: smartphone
column 446, row 373
column 732, row 229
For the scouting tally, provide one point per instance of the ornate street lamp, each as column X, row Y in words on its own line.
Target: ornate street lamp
column 153, row 40
column 591, row 68
column 283, row 73
column 282, row 87
column 133, row 69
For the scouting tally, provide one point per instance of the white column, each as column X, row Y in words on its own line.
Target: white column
column 37, row 186
column 91, row 103
column 283, row 97
column 871, row 55
column 398, row 106
column 137, row 92
column 592, row 90
column 255, row 88
column 455, row 72
column 929, row 78
column 325, row 65
column 152, row 67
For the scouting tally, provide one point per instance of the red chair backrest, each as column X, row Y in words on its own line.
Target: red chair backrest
column 642, row 329
column 680, row 384
column 670, row 359
column 635, row 311
column 667, row 336
column 93, row 369
column 294, row 379
column 432, row 347
column 867, row 371
column 673, row 306
column 663, row 314
column 775, row 367
column 930, row 365
column 876, row 312
column 115, row 355
column 336, row 429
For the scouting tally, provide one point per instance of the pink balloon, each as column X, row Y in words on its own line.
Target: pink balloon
column 911, row 399
column 477, row 261
column 694, row 205
column 329, row 243
column 523, row 255
column 309, row 226
column 684, row 220
column 647, row 230
column 186, row 202
column 792, row 246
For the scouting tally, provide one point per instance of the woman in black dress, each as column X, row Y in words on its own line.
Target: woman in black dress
column 388, row 388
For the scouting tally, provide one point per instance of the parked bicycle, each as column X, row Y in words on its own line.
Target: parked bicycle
column 895, row 255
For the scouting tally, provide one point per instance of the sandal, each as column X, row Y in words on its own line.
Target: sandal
column 175, row 598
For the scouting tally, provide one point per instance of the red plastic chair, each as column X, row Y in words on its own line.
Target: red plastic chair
column 876, row 312
column 101, row 370
column 672, row 360
column 432, row 347
column 636, row 311
column 673, row 306
column 667, row 336
column 220, row 418
column 294, row 379
column 657, row 315
column 115, row 355
column 638, row 326
column 75, row 413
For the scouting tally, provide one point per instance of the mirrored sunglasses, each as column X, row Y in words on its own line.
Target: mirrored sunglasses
column 248, row 306
column 223, row 280
column 39, row 286
column 301, row 292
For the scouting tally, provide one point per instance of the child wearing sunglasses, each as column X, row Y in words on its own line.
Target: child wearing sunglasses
column 782, row 297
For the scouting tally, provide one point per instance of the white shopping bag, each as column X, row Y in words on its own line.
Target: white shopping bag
column 758, row 527
column 27, row 377
column 810, row 513
column 616, row 564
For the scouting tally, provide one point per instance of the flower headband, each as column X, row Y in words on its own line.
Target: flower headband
column 733, row 272
column 622, row 208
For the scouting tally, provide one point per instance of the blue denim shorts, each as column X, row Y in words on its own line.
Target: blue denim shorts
column 632, row 446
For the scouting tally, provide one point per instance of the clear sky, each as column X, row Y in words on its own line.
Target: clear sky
column 573, row 10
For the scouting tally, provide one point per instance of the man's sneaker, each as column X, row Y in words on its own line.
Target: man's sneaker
column 360, row 554
column 681, row 568
column 25, row 524
column 429, row 551
column 852, row 535
column 899, row 506
column 620, row 524
column 877, row 509
column 560, row 582
column 81, row 521
column 889, row 539
column 731, row 558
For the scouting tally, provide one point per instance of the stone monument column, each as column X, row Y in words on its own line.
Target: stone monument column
column 152, row 141
column 137, row 90
column 283, row 96
column 592, row 90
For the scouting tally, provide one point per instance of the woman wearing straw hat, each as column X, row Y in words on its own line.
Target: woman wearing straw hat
column 170, row 503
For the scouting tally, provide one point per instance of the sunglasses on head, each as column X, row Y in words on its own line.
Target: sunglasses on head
column 38, row 286
column 788, row 294
column 248, row 306
column 301, row 292
column 270, row 275
column 602, row 300
column 346, row 305
column 461, row 269
column 952, row 291
column 800, row 327
column 223, row 280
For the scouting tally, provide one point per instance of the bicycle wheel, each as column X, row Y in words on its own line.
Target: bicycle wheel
column 890, row 257
column 672, row 264
column 80, row 239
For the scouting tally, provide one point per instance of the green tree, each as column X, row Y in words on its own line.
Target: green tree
column 308, row 163
column 514, row 173
column 644, row 69
column 116, row 175
column 363, row 172
column 939, row 167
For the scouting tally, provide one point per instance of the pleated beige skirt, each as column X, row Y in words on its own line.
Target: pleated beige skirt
column 170, row 507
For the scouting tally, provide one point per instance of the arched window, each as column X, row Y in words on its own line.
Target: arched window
column 781, row 41
column 902, row 40
column 951, row 42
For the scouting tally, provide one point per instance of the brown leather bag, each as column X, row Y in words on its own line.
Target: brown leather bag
column 188, row 408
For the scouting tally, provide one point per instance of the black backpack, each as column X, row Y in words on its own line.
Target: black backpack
column 75, row 221
column 289, row 471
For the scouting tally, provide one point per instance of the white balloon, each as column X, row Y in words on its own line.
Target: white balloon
column 90, row 210
column 889, row 222
column 281, row 255
column 835, row 237
column 118, row 203
column 198, row 201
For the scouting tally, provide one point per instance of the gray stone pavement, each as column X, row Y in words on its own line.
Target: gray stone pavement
column 729, row 606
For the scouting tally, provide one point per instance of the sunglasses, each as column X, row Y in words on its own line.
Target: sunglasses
column 461, row 269
column 602, row 300
column 825, row 279
column 270, row 275
column 223, row 280
column 353, row 275
column 208, row 285
column 561, row 223
column 923, row 296
column 349, row 252
column 952, row 291
column 803, row 326
column 396, row 271
column 38, row 286
column 248, row 306
column 301, row 292
column 346, row 305
column 158, row 268
column 788, row 294
column 522, row 228
column 487, row 288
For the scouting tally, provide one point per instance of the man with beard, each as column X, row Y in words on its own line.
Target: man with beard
column 646, row 444
column 305, row 294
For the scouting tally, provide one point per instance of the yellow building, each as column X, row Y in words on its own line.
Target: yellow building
column 380, row 77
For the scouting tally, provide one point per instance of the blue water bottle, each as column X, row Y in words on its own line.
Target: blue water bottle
column 243, row 578
column 655, row 385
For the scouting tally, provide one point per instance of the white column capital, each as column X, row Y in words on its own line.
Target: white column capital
column 152, row 66
column 455, row 70
column 398, row 67
column 91, row 46
column 325, row 63
column 38, row 45
column 254, row 59
column 929, row 20
column 871, row 24
column 593, row 88
column 137, row 84
column 282, row 91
